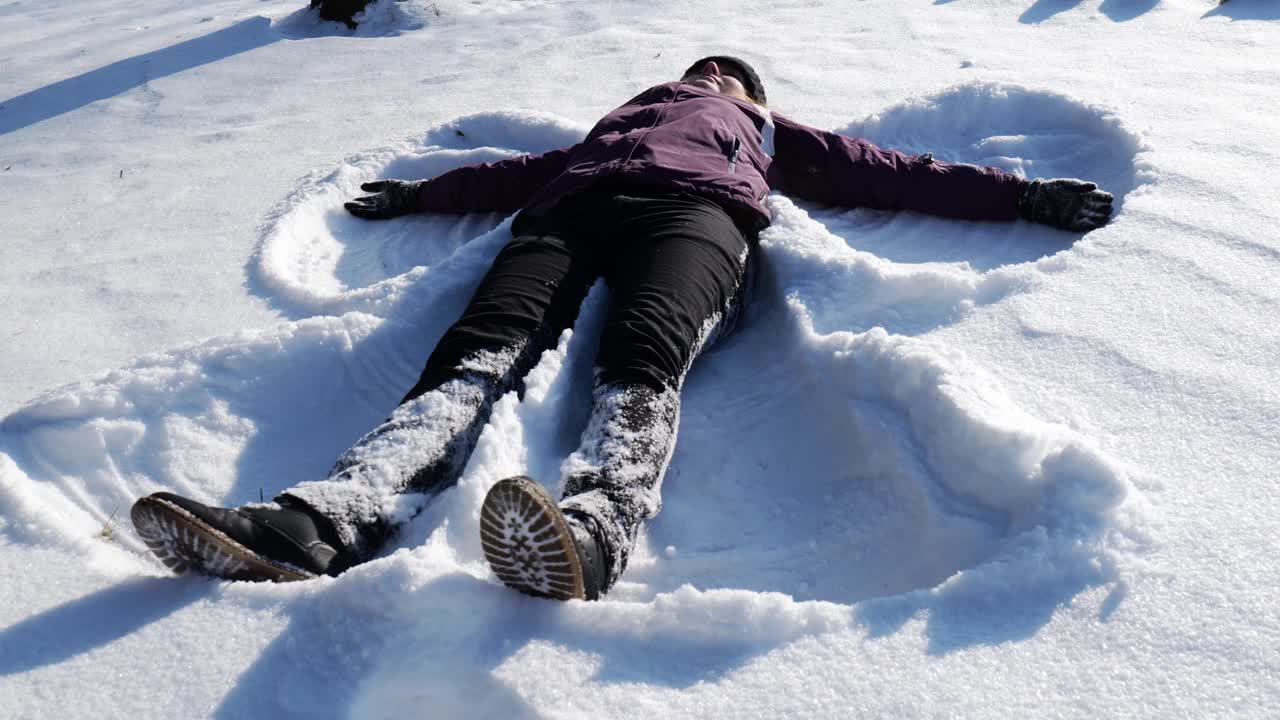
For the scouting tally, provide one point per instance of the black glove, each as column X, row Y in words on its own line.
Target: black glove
column 1065, row 203
column 391, row 198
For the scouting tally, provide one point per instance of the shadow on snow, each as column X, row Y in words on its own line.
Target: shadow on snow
column 108, row 81
column 119, row 77
column 1247, row 10
column 92, row 621
column 1117, row 10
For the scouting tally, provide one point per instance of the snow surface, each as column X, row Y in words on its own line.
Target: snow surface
column 944, row 469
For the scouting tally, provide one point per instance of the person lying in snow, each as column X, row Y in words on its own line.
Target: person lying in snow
column 663, row 200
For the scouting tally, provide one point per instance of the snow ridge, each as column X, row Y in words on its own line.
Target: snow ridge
column 313, row 257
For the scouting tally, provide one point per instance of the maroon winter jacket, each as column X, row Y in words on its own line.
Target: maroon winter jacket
column 678, row 136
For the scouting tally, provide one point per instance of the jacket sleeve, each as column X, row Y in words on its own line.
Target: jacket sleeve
column 503, row 186
column 838, row 170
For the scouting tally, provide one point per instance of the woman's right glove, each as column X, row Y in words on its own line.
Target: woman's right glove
column 391, row 198
column 1065, row 203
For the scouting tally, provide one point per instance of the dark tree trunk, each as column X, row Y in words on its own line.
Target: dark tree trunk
column 340, row 10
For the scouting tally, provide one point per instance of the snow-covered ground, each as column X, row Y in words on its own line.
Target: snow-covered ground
column 945, row 469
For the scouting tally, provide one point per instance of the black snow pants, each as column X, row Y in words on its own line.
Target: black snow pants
column 675, row 265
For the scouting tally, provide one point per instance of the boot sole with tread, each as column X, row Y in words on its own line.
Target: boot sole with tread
column 527, row 541
column 185, row 543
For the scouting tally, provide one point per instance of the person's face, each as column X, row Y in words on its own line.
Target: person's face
column 709, row 77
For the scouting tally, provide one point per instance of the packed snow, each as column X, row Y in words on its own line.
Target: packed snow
column 942, row 468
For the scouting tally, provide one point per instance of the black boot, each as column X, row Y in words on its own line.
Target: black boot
column 250, row 543
column 535, row 548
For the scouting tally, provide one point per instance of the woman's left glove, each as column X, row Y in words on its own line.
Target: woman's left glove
column 391, row 198
column 1065, row 203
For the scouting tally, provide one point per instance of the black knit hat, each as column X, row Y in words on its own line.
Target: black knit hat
column 737, row 68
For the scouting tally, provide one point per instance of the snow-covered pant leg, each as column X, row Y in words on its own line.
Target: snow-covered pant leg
column 529, row 296
column 677, row 285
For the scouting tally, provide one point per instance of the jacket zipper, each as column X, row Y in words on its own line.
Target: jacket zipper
column 733, row 155
column 656, row 120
